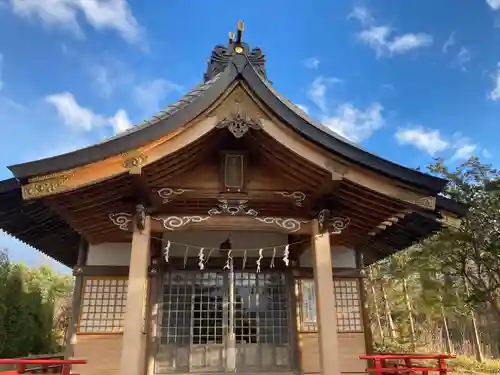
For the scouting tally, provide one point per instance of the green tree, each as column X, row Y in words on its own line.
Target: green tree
column 28, row 321
column 453, row 278
column 473, row 251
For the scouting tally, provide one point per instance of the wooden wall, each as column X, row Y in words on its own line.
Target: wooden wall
column 352, row 345
column 103, row 350
column 103, row 353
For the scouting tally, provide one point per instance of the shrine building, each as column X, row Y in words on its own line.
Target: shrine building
column 227, row 233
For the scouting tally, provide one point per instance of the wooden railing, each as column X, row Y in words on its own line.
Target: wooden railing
column 411, row 364
column 55, row 365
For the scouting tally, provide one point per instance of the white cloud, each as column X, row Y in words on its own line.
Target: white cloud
column 62, row 13
column 363, row 15
column 463, row 57
column 495, row 93
column 487, row 154
column 317, row 91
column 102, row 79
column 426, row 140
column 381, row 38
column 84, row 119
column 303, row 108
column 464, row 152
column 101, row 14
column 449, row 42
column 350, row 122
column 356, row 124
column 312, row 63
column 433, row 142
column 37, row 141
column 109, row 75
column 120, row 121
column 149, row 95
column 407, row 42
column 376, row 38
column 73, row 114
column 464, row 147
column 494, row 4
column 112, row 14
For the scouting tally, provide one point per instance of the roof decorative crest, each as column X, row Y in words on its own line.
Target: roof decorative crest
column 222, row 55
column 239, row 123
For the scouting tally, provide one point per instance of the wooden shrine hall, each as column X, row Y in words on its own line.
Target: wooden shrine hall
column 227, row 233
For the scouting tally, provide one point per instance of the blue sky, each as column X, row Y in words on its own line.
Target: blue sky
column 409, row 80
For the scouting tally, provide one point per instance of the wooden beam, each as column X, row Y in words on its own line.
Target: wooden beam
column 449, row 220
column 164, row 223
column 81, row 270
column 319, row 199
column 337, row 272
column 140, row 186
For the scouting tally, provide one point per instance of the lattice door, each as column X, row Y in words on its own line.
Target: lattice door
column 262, row 322
column 194, row 322
column 190, row 323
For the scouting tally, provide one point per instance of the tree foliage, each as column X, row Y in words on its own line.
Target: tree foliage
column 30, row 300
column 472, row 253
column 452, row 278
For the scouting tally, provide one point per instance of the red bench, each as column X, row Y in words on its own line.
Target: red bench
column 41, row 366
column 390, row 364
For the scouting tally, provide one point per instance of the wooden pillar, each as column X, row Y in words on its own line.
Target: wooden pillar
column 76, row 299
column 365, row 316
column 152, row 319
column 325, row 302
column 133, row 355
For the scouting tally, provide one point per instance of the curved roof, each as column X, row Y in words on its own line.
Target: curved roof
column 227, row 65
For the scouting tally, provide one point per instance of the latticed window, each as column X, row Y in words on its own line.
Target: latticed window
column 347, row 302
column 103, row 305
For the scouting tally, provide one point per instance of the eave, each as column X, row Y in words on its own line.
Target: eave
column 37, row 224
column 34, row 224
column 413, row 228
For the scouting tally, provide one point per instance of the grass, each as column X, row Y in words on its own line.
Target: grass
column 463, row 365
column 468, row 365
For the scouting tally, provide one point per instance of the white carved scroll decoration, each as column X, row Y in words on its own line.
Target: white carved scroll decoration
column 298, row 196
column 175, row 222
column 288, row 224
column 338, row 224
column 335, row 225
column 166, row 194
column 121, row 220
column 232, row 208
